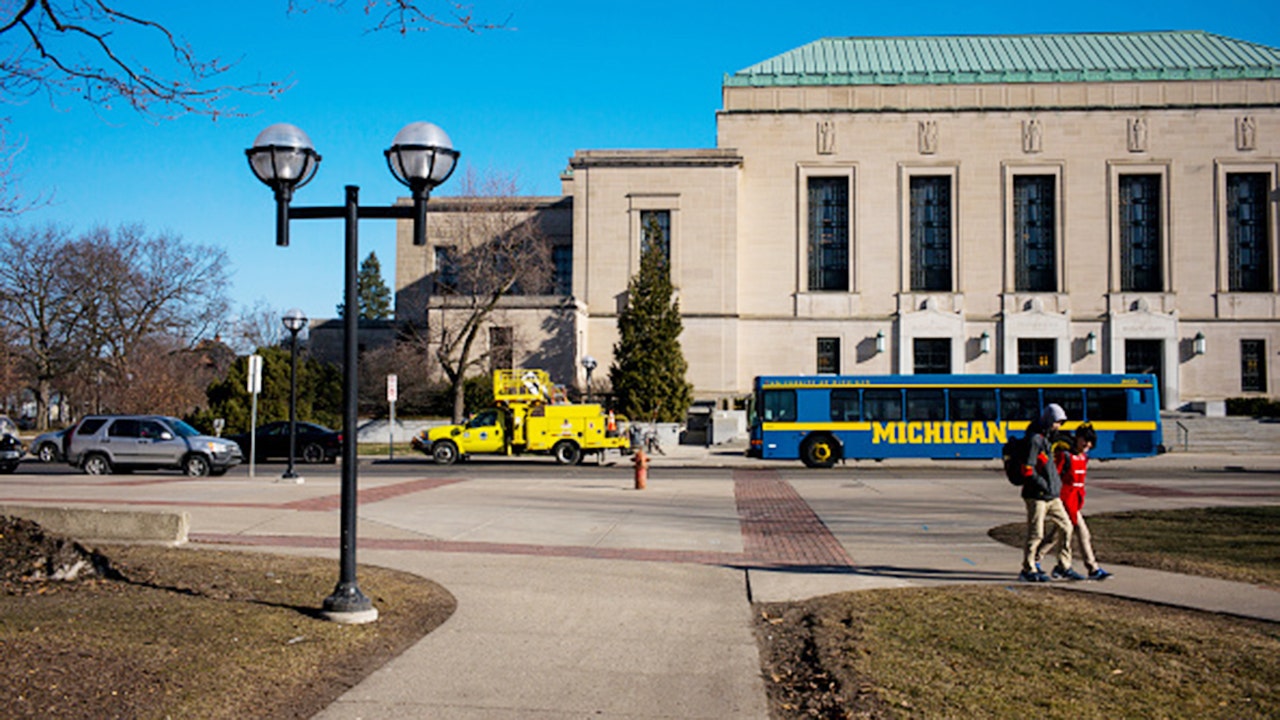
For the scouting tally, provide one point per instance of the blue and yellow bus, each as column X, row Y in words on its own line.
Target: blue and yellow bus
column 821, row 419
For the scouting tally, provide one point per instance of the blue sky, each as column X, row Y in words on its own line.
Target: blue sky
column 567, row 75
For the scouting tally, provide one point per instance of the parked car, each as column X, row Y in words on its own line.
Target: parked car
column 315, row 443
column 48, row 446
column 10, row 446
column 102, row 444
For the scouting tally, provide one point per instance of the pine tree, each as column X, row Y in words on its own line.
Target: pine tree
column 371, row 291
column 648, row 372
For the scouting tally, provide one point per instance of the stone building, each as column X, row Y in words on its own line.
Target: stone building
column 1069, row 203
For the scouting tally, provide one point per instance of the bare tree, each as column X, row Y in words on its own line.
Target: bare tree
column 92, row 50
column 85, row 313
column 488, row 244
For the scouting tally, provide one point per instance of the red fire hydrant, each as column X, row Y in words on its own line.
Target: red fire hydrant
column 642, row 469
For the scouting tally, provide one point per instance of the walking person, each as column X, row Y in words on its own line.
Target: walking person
column 1072, row 459
column 1042, row 494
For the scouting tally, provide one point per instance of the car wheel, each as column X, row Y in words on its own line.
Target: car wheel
column 445, row 452
column 567, row 452
column 819, row 451
column 97, row 465
column 312, row 453
column 47, row 453
column 195, row 466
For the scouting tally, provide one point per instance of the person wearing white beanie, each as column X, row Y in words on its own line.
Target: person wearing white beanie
column 1041, row 492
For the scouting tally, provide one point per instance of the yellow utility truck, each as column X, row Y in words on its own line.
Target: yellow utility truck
column 530, row 417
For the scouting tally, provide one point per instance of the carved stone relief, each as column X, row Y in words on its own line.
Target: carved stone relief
column 928, row 135
column 826, row 137
column 1031, row 132
column 1246, row 132
column 1137, row 134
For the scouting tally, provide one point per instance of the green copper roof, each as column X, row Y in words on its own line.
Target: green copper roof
column 1076, row 57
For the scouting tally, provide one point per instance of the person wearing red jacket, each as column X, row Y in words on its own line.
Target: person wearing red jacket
column 1072, row 460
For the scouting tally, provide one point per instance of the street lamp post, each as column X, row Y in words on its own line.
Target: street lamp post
column 421, row 156
column 293, row 321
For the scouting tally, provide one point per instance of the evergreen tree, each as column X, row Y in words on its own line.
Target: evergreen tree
column 648, row 372
column 371, row 291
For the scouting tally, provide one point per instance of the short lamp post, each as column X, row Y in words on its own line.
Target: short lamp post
column 293, row 321
column 421, row 156
column 589, row 364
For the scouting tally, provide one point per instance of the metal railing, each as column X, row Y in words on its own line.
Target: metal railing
column 1184, row 435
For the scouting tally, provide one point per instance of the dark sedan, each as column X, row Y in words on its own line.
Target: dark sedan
column 316, row 443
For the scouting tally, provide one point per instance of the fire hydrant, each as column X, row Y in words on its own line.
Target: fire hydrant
column 642, row 469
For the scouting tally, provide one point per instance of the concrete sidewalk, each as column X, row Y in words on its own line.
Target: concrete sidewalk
column 581, row 596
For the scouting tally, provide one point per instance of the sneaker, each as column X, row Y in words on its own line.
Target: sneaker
column 1030, row 576
column 1066, row 573
column 1099, row 574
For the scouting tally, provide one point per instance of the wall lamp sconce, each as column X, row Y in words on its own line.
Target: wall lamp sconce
column 984, row 343
column 1198, row 344
column 1091, row 343
column 880, row 341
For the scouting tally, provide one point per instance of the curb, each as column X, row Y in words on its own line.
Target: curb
column 89, row 525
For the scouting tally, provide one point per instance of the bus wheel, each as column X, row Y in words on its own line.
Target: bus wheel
column 819, row 451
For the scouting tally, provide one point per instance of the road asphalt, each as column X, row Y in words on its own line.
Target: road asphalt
column 580, row 595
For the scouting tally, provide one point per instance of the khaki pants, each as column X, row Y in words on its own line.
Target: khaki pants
column 1037, row 512
column 1085, row 541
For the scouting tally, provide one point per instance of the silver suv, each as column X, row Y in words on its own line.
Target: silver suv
column 102, row 444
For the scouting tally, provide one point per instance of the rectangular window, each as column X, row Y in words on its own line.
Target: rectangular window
column 973, row 404
column 932, row 356
column 779, row 406
column 1035, row 234
column 844, row 405
column 1253, row 365
column 655, row 228
column 1105, row 404
column 562, row 270
column 926, row 404
column 1018, row 404
column 501, row 348
column 1070, row 400
column 1248, row 232
column 1037, row 356
column 931, row 233
column 829, row 233
column 446, row 270
column 828, row 356
column 1140, row 233
column 882, row 405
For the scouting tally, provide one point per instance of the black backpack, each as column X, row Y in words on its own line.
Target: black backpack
column 1014, row 454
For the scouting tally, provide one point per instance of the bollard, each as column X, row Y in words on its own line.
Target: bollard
column 642, row 469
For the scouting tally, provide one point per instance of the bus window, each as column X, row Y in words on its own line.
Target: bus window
column 973, row 404
column 844, row 405
column 882, row 405
column 926, row 404
column 1071, row 400
column 779, row 406
column 1019, row 404
column 1105, row 404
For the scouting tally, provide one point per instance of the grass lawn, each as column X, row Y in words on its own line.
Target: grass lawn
column 1019, row 650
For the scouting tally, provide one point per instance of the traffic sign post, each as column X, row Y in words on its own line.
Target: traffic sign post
column 393, row 391
column 254, row 386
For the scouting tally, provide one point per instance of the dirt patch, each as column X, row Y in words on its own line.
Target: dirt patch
column 152, row 632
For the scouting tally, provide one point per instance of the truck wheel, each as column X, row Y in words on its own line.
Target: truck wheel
column 819, row 451
column 567, row 452
column 48, row 453
column 97, row 465
column 195, row 466
column 445, row 452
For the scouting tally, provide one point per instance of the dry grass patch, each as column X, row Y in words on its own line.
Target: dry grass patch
column 1014, row 652
column 196, row 633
